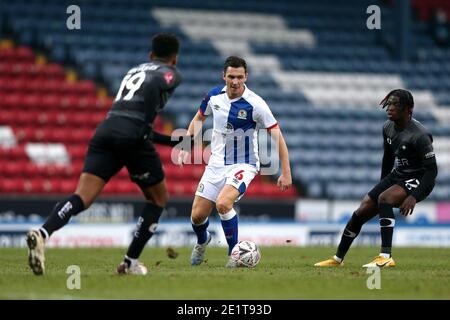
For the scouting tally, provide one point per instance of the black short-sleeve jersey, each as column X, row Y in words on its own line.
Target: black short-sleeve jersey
column 144, row 91
column 411, row 147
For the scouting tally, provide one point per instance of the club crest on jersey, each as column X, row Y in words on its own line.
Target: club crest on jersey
column 242, row 114
column 168, row 76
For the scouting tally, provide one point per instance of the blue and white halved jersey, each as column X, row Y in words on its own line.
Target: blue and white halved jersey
column 235, row 126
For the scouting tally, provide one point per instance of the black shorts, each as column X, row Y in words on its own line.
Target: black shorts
column 110, row 150
column 409, row 184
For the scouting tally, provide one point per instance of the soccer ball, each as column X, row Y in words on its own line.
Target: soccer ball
column 246, row 254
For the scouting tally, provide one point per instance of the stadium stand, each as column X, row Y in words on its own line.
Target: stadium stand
column 321, row 72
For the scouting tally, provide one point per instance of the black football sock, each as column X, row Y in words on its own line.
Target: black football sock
column 61, row 214
column 351, row 231
column 127, row 261
column 146, row 227
column 387, row 223
column 201, row 231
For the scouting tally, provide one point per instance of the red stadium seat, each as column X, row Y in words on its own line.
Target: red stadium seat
column 110, row 188
column 177, row 188
column 18, row 152
column 77, row 151
column 77, row 167
column 11, row 101
column 69, row 102
column 31, row 101
column 13, row 169
column 32, row 170
column 126, row 187
column 52, row 70
column 68, row 186
column 51, row 101
column 164, row 153
column 12, row 185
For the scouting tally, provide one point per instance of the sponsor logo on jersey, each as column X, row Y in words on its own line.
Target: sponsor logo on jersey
column 401, row 162
column 200, row 187
column 216, row 107
column 168, row 76
column 389, row 140
column 242, row 114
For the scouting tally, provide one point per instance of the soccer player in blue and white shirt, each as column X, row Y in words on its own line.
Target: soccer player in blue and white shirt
column 238, row 113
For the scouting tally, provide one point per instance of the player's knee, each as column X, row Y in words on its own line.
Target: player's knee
column 385, row 198
column 162, row 199
column 223, row 206
column 197, row 218
column 199, row 213
column 159, row 199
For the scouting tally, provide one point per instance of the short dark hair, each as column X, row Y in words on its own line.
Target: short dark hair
column 405, row 97
column 165, row 45
column 234, row 62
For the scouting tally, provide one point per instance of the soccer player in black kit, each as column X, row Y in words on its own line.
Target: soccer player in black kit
column 124, row 138
column 407, row 177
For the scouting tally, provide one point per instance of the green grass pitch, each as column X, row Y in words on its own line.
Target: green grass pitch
column 283, row 273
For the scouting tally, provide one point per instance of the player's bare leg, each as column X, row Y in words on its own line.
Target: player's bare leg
column 201, row 209
column 228, row 217
column 157, row 197
column 390, row 198
column 366, row 211
column 89, row 186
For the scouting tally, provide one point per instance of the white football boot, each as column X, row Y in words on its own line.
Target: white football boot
column 136, row 268
column 231, row 263
column 198, row 252
column 36, row 257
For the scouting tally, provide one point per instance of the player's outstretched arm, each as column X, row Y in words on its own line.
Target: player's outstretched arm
column 166, row 140
column 195, row 128
column 285, row 180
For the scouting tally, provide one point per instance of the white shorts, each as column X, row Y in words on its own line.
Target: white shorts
column 214, row 179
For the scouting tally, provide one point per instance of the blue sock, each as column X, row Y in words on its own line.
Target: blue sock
column 201, row 231
column 230, row 228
